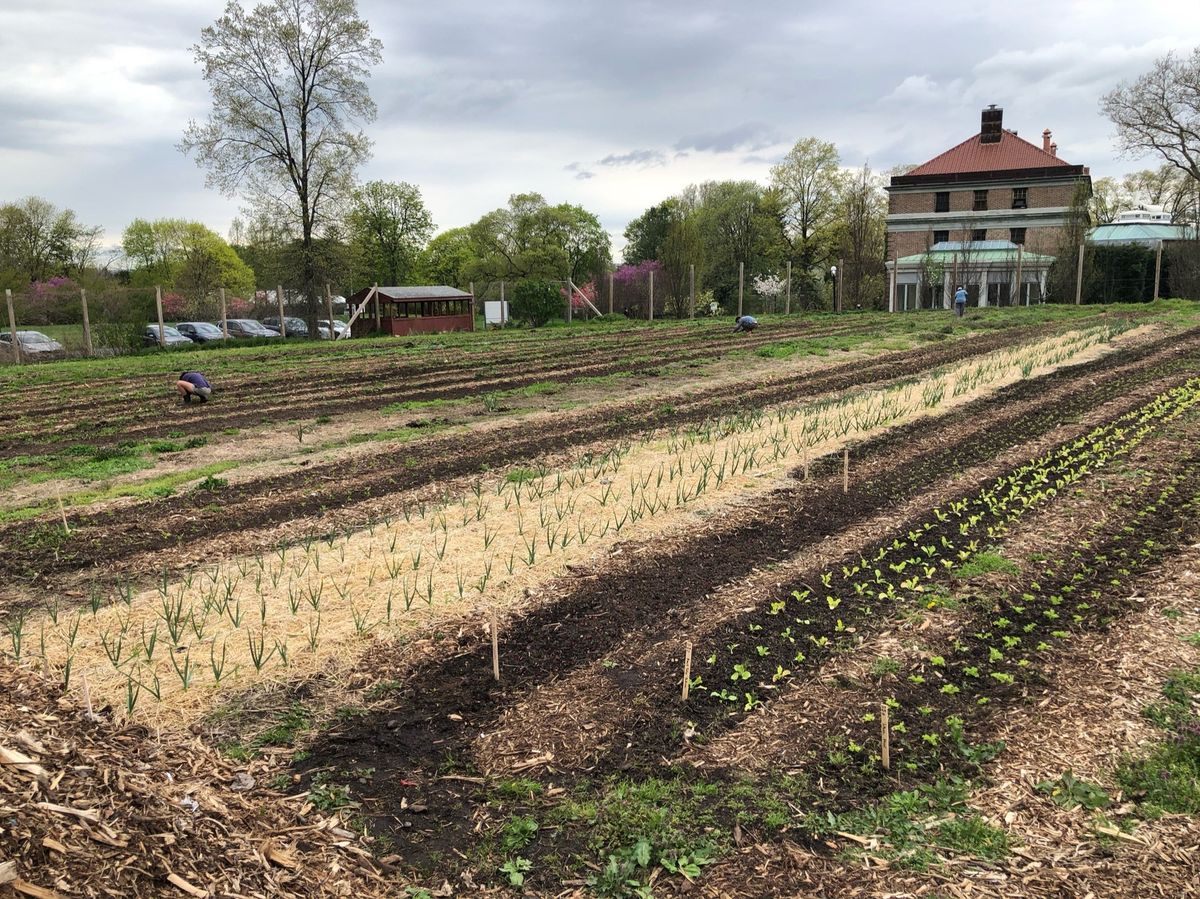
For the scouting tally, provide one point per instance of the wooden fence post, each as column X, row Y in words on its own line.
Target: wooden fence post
column 279, row 301
column 846, row 470
column 162, row 330
column 691, row 291
column 329, row 309
column 1079, row 278
column 495, row 647
column 503, row 315
column 1020, row 289
column 741, row 284
column 885, row 737
column 892, row 292
column 651, row 318
column 570, row 302
column 610, row 293
column 841, row 276
column 87, row 325
column 12, row 327
column 787, row 303
column 1157, row 269
column 224, row 316
column 375, row 293
column 687, row 669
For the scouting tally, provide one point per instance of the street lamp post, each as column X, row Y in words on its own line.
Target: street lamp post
column 833, row 275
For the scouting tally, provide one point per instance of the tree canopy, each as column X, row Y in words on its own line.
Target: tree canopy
column 529, row 238
column 39, row 241
column 389, row 227
column 184, row 256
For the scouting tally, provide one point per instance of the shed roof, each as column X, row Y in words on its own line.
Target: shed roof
column 424, row 292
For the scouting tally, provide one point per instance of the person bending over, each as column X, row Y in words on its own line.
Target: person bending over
column 193, row 385
column 745, row 323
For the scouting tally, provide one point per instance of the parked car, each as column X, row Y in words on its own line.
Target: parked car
column 31, row 343
column 200, row 332
column 171, row 337
column 296, row 327
column 339, row 328
column 248, row 327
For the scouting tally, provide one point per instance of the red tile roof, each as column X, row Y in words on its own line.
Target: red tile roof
column 1010, row 153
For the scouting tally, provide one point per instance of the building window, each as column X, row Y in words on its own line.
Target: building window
column 1020, row 198
column 941, row 201
column 941, row 236
column 980, row 201
column 1017, row 235
column 979, row 234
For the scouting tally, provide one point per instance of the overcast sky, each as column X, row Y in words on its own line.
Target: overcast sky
column 612, row 104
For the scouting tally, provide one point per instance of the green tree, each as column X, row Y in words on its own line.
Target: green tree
column 531, row 239
column 184, row 256
column 536, row 301
column 287, row 81
column 447, row 257
column 389, row 226
column 646, row 234
column 808, row 182
column 38, row 241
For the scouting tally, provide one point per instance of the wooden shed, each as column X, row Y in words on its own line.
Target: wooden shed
column 412, row 310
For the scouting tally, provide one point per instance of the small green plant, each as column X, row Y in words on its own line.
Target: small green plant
column 1070, row 792
column 516, row 869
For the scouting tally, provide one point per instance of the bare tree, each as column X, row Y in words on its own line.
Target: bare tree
column 288, row 80
column 1160, row 112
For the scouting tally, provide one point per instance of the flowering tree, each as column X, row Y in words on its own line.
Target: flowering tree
column 577, row 302
column 770, row 287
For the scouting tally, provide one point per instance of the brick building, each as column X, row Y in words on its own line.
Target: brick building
column 974, row 210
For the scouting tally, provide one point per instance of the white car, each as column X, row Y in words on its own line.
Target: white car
column 31, row 343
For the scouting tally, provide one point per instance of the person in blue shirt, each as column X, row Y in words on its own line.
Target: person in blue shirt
column 960, row 301
column 745, row 323
column 193, row 385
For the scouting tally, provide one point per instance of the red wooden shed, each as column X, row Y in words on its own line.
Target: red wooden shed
column 412, row 310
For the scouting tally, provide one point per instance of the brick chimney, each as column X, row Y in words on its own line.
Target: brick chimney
column 1046, row 141
column 1054, row 149
column 991, row 125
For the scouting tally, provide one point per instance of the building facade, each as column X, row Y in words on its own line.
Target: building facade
column 975, row 209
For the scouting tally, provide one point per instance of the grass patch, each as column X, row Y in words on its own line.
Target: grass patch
column 414, row 405
column 913, row 826
column 520, row 475
column 1168, row 778
column 985, row 563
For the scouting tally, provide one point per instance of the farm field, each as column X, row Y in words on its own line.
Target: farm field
column 852, row 605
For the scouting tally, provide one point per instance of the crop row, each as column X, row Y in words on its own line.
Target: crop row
column 760, row 654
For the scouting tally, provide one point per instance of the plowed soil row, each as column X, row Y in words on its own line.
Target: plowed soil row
column 448, row 703
column 252, row 400
column 104, row 537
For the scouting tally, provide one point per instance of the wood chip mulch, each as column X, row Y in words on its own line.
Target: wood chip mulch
column 90, row 807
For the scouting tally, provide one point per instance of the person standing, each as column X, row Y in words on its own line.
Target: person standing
column 193, row 385
column 960, row 301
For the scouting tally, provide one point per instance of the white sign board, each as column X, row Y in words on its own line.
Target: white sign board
column 495, row 312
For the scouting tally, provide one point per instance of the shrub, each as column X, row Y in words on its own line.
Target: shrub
column 536, row 302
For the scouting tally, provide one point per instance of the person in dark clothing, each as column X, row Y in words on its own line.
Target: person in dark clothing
column 745, row 323
column 193, row 385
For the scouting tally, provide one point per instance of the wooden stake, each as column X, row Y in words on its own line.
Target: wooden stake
column 87, row 325
column 570, row 303
column 805, row 463
column 610, row 293
column 885, row 738
column 687, row 669
column 62, row 510
column 224, row 316
column 651, row 295
column 841, row 276
column 375, row 293
column 1079, row 278
column 1157, row 269
column 279, row 300
column 12, row 327
column 162, row 330
column 787, row 303
column 495, row 648
column 846, row 470
column 691, row 291
column 741, row 285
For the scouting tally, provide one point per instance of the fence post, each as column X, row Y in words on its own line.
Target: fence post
column 691, row 291
column 224, row 316
column 1079, row 278
column 787, row 303
column 162, row 330
column 841, row 276
column 375, row 294
column 651, row 318
column 610, row 293
column 502, row 303
column 329, row 309
column 87, row 325
column 12, row 327
column 1157, row 269
column 279, row 301
column 892, row 292
column 741, row 284
column 570, row 311
column 1019, row 288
